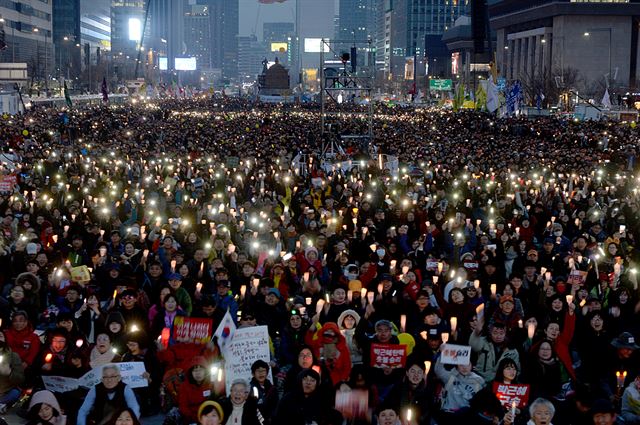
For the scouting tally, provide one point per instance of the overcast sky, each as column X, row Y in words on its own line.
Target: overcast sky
column 250, row 10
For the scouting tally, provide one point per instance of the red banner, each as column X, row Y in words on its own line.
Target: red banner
column 509, row 393
column 187, row 329
column 7, row 183
column 388, row 355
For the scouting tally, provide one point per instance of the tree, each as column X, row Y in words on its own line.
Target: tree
column 550, row 84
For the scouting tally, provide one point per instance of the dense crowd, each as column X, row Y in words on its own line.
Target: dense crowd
column 499, row 253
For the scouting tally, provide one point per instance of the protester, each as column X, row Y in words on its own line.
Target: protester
column 513, row 238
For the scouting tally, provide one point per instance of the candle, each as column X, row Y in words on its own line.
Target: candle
column 423, row 334
column 476, row 283
column 380, row 287
column 480, row 312
column 569, row 299
column 164, row 337
column 454, row 324
column 220, row 375
column 373, row 247
column 145, row 253
column 79, row 342
column 370, row 296
column 115, row 293
column 445, row 337
column 408, row 415
column 620, row 378
column 319, row 306
column 363, row 293
column 307, row 301
column 305, row 277
column 392, row 266
column 493, row 289
column 440, row 267
column 256, row 282
column 435, row 280
column 520, row 323
column 255, row 392
column 543, row 270
column 349, row 295
column 513, row 409
column 403, row 322
column 173, row 266
column 427, row 368
column 547, row 276
column 48, row 357
column 198, row 287
column 531, row 329
column 243, row 291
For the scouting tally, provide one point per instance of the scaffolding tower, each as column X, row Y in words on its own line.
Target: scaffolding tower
column 345, row 82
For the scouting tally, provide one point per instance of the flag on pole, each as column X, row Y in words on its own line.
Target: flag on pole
column 225, row 331
column 606, row 100
column 493, row 102
column 67, row 98
column 105, row 91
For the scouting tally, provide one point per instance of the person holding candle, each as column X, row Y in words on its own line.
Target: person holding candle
column 622, row 362
column 348, row 322
column 330, row 347
column 413, row 391
column 263, row 390
column 306, row 402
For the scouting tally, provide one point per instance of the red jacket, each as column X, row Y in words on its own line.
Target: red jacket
column 340, row 366
column 24, row 343
column 563, row 341
column 191, row 395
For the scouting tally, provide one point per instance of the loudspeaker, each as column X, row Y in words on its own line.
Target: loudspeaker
column 479, row 24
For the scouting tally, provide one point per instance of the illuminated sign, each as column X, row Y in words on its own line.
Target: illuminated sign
column 163, row 64
column 313, row 45
column 135, row 29
column 185, row 64
column 279, row 47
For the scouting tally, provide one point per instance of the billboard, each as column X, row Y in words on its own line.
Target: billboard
column 409, row 68
column 135, row 29
column 185, row 64
column 313, row 45
column 279, row 47
column 163, row 64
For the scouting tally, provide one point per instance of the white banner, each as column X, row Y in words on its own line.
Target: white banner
column 131, row 373
column 247, row 346
column 456, row 354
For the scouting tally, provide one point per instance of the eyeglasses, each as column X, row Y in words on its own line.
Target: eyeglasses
column 111, row 377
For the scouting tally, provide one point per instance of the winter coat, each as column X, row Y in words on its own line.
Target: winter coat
column 48, row 398
column 487, row 362
column 458, row 389
column 25, row 343
column 336, row 357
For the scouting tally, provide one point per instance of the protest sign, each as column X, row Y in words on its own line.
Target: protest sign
column 388, row 355
column 456, row 354
column 247, row 346
column 7, row 183
column 432, row 266
column 59, row 384
column 80, row 274
column 187, row 329
column 508, row 393
column 577, row 276
column 131, row 373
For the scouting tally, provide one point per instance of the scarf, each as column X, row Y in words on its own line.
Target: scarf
column 96, row 359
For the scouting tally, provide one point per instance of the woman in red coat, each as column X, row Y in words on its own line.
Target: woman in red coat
column 330, row 346
column 195, row 390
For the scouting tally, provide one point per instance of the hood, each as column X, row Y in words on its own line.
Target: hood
column 45, row 397
column 27, row 276
column 116, row 316
column 197, row 361
column 348, row 313
column 330, row 326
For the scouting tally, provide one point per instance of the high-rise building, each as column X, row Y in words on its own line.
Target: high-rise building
column 95, row 31
column 357, row 19
column 279, row 39
column 167, row 29
column 251, row 53
column 127, row 24
column 28, row 34
column 81, row 35
column 67, row 38
column 197, row 33
column 224, row 18
column 568, row 43
column 409, row 24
